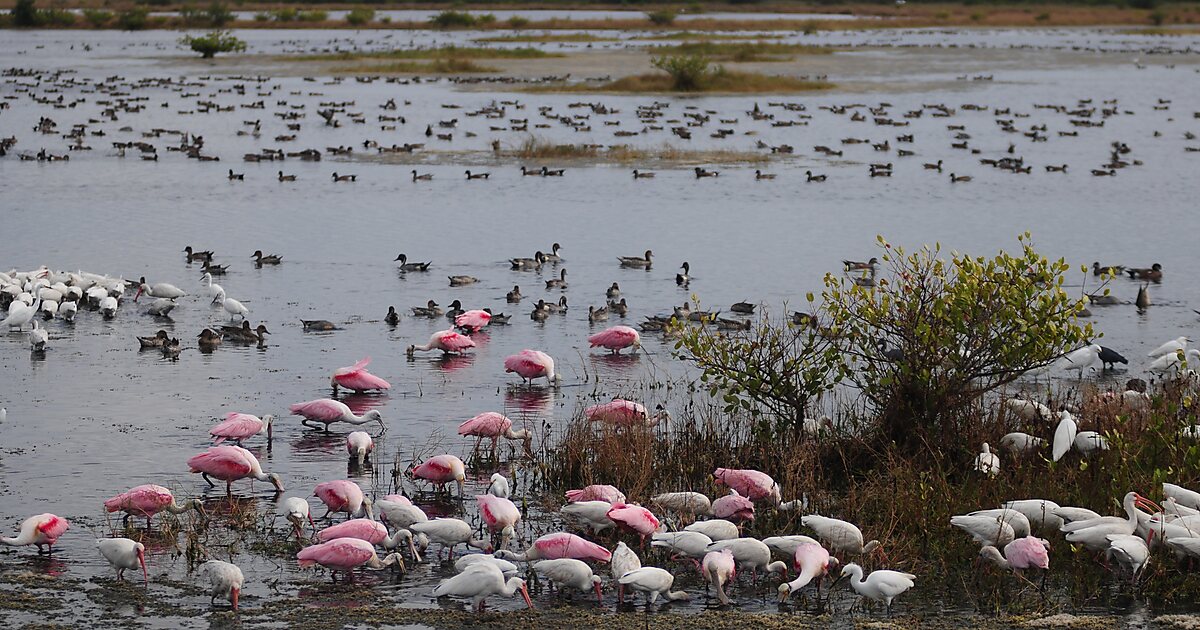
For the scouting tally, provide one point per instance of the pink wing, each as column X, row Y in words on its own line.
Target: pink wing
column 733, row 507
column 357, row 367
column 438, row 468
column 223, row 462
column 52, row 526
column 337, row 494
column 1027, row 552
column 146, row 499
column 397, row 498
column 360, row 528
column 487, row 424
column 618, row 411
column 497, row 512
column 750, row 483
column 564, row 545
column 527, row 363
column 337, row 553
column 322, row 409
column 614, row 338
column 634, row 517
column 236, row 426
column 596, row 492
column 453, row 341
column 362, row 381
column 473, row 320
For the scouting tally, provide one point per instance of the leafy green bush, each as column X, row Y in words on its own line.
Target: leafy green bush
column 453, row 19
column 97, row 17
column 56, row 17
column 360, row 16
column 688, row 72
column 517, row 21
column 212, row 43
column 134, row 19
column 262, row 16
column 284, row 15
column 662, row 17
column 312, row 16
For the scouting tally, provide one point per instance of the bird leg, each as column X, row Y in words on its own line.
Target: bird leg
column 207, row 480
column 229, row 488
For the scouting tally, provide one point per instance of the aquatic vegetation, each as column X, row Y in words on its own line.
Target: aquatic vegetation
column 742, row 51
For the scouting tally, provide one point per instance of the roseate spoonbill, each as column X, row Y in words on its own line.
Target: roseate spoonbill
column 1015, row 518
column 356, row 378
column 398, row 511
column 123, row 553
column 616, row 339
column 474, row 320
column 531, row 364
column 559, row 545
column 442, row 469
column 733, row 507
column 226, row 580
column 1092, row 533
column 842, row 536
column 623, row 561
column 239, row 426
column 1029, row 552
column 500, row 515
column 1129, row 551
column 296, row 510
column 985, row 530
column 450, row 532
column 718, row 569
column 686, row 544
column 624, row 413
column 230, row 463
column 654, row 582
column 572, row 573
column 881, row 585
column 1021, row 443
column 495, row 426
column 634, row 518
column 498, row 486
column 370, row 531
column 811, row 561
column 596, row 492
column 751, row 554
column 327, row 411
column 345, row 555
column 1028, row 409
column 147, row 500
column 43, row 529
column 785, row 546
column 359, row 444
column 987, row 462
column 467, row 560
column 1064, row 435
column 593, row 514
column 160, row 290
column 480, row 581
column 715, row 528
column 343, row 496
column 752, row 484
column 448, row 341
column 690, row 504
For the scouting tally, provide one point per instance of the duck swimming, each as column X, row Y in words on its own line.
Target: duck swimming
column 642, row 262
column 413, row 266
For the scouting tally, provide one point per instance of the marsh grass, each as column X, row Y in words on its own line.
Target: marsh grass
column 905, row 499
column 440, row 53
column 536, row 148
column 742, row 51
column 438, row 66
column 545, row 38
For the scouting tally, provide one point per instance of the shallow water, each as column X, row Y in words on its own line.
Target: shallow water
column 95, row 416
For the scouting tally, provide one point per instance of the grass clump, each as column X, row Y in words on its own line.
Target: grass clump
column 438, row 66
column 360, row 16
column 694, row 74
column 667, row 154
column 461, row 19
column 743, row 51
column 545, row 38
column 662, row 17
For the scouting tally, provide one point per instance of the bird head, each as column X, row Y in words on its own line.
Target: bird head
column 276, row 481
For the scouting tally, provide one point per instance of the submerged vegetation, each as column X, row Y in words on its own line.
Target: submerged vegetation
column 535, row 148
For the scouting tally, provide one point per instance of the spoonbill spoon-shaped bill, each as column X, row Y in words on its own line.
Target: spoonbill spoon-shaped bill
column 226, row 581
column 327, row 411
column 359, row 445
column 752, row 484
column 719, row 569
column 448, row 341
column 357, row 378
column 570, row 573
column 596, row 492
column 494, row 426
column 43, row 529
column 1029, row 552
column 480, row 581
column 811, row 561
column 123, row 553
column 616, row 338
column 239, row 426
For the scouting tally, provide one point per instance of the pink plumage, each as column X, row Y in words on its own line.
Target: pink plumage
column 322, row 410
column 598, row 492
column 227, row 463
column 531, row 364
column 145, row 500
column 473, row 320
column 340, row 495
column 488, row 424
column 450, row 341
column 339, row 553
column 357, row 378
column 1027, row 553
column 749, row 483
column 619, row 412
column 565, row 545
column 237, row 426
column 634, row 518
column 397, row 498
column 440, row 469
column 360, row 528
column 733, row 507
column 615, row 338
column 497, row 512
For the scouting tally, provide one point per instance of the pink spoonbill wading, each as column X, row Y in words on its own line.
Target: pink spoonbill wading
column 559, row 545
column 811, row 562
column 320, row 413
column 500, row 515
column 359, row 445
column 43, row 529
column 441, row 470
column 495, row 426
column 719, row 569
column 345, row 555
column 531, row 364
column 356, row 378
column 448, row 341
column 616, row 338
column 343, row 496
column 239, row 426
column 473, row 321
column 230, row 463
column 147, row 500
